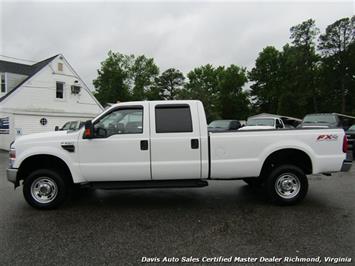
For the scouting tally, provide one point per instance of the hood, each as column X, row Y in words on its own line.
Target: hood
column 256, row 127
column 51, row 136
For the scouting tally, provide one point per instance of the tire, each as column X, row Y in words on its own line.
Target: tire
column 287, row 185
column 253, row 182
column 45, row 189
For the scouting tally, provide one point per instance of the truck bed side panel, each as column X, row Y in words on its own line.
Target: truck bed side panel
column 242, row 154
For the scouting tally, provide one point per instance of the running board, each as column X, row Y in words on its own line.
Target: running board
column 148, row 184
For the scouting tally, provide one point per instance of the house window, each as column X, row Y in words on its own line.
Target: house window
column 3, row 83
column 60, row 66
column 60, row 90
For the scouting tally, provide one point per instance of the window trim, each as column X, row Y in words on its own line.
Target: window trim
column 5, row 82
column 63, row 83
column 118, row 108
column 60, row 69
column 172, row 106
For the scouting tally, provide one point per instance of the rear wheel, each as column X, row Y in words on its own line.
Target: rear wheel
column 45, row 189
column 287, row 185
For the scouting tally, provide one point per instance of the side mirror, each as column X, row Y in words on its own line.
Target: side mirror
column 89, row 130
column 56, row 128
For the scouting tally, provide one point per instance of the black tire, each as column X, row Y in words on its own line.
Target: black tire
column 253, row 181
column 287, row 185
column 56, row 190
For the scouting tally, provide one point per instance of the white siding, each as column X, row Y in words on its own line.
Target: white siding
column 39, row 94
column 36, row 99
column 13, row 80
column 31, row 123
column 6, row 139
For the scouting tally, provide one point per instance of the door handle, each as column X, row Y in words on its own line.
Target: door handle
column 194, row 144
column 144, row 145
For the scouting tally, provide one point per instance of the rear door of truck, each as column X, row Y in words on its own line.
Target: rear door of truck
column 175, row 140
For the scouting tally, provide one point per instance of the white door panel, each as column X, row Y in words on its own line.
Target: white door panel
column 172, row 156
column 116, row 158
column 117, row 155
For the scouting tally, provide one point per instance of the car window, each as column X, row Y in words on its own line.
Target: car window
column 219, row 124
column 171, row 118
column 73, row 125
column 66, row 126
column 261, row 122
column 321, row 119
column 120, row 121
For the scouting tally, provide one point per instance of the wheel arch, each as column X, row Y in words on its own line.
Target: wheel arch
column 292, row 156
column 47, row 161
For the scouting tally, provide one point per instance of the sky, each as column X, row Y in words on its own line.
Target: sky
column 182, row 35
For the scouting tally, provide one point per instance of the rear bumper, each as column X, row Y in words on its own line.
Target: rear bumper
column 11, row 174
column 346, row 166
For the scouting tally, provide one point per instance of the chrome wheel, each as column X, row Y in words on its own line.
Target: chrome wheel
column 44, row 190
column 287, row 185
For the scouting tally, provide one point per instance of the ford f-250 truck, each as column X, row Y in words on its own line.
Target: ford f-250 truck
column 166, row 144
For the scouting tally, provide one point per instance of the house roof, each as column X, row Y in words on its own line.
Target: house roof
column 12, row 67
column 23, row 69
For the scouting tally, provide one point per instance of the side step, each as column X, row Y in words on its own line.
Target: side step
column 148, row 184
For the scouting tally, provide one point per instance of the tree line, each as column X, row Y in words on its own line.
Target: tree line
column 315, row 72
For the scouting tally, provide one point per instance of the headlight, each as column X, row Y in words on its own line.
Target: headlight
column 12, row 157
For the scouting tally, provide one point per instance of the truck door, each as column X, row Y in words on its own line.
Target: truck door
column 175, row 141
column 119, row 150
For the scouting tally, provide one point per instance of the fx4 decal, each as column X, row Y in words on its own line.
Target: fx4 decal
column 327, row 137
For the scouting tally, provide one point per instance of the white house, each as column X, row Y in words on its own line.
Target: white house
column 36, row 98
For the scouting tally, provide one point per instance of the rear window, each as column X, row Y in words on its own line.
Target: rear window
column 321, row 119
column 173, row 118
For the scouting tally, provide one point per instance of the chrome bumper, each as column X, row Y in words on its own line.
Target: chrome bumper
column 346, row 166
column 11, row 174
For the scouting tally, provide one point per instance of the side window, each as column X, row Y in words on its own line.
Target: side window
column 278, row 123
column 73, row 125
column 59, row 93
column 171, row 118
column 120, row 121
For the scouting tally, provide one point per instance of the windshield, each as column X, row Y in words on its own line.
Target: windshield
column 261, row 122
column 66, row 126
column 219, row 124
column 321, row 119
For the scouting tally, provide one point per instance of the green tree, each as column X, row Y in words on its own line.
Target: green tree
column 169, row 83
column 266, row 80
column 202, row 85
column 306, row 62
column 110, row 84
column 142, row 74
column 335, row 46
column 125, row 77
column 233, row 102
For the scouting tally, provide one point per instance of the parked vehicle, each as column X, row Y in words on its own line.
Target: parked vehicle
column 71, row 125
column 263, row 123
column 167, row 144
column 322, row 120
column 224, row 125
column 350, row 133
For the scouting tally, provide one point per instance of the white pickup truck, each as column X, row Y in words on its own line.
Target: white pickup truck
column 166, row 144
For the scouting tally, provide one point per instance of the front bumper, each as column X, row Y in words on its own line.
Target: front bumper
column 346, row 166
column 11, row 174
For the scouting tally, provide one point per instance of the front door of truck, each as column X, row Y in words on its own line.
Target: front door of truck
column 119, row 150
column 175, row 141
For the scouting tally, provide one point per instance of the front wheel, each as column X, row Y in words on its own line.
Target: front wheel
column 45, row 189
column 287, row 185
